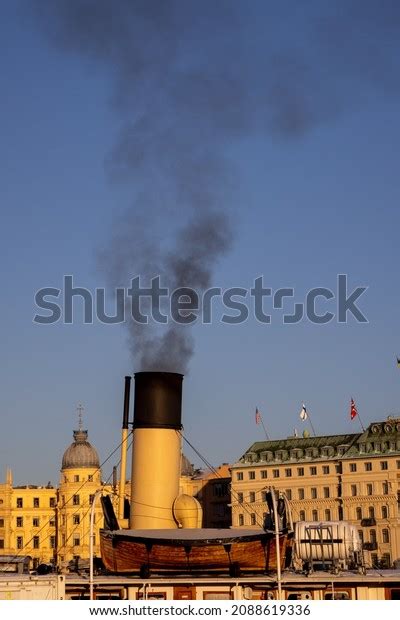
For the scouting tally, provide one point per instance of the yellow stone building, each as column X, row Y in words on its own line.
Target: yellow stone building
column 353, row 477
column 212, row 489
column 53, row 524
column 80, row 479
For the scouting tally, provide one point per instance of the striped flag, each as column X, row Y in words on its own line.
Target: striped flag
column 353, row 410
column 258, row 416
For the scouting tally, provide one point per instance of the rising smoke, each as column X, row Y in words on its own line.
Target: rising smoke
column 191, row 79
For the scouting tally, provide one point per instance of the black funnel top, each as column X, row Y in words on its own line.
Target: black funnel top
column 158, row 400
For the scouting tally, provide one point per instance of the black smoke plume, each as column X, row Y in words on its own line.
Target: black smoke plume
column 191, row 80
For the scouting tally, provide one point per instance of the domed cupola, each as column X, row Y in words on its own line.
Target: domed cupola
column 80, row 453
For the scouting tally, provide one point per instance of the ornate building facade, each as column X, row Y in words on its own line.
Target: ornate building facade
column 53, row 524
column 353, row 477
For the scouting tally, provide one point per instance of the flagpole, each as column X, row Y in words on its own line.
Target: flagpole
column 265, row 430
column 311, row 424
column 361, row 424
column 259, row 420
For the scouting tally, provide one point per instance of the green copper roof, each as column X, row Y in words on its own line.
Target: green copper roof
column 380, row 438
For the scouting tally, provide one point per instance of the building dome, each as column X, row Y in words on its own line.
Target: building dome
column 187, row 468
column 80, row 453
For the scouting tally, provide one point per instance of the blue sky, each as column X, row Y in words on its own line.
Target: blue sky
column 306, row 206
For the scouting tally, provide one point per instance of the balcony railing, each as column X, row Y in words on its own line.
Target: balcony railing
column 368, row 522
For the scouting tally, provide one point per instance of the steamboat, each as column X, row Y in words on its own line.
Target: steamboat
column 164, row 533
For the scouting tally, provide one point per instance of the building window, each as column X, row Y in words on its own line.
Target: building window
column 240, row 498
column 338, row 468
column 253, row 518
column 52, row 502
column 313, row 493
column 76, row 519
column 20, row 502
column 385, row 560
column 252, row 475
column 384, row 512
column 20, row 521
column 36, row 542
column 20, row 542
column 313, row 471
column 384, row 465
column 52, row 542
column 301, row 493
column 75, row 500
column 315, row 515
column 368, row 466
column 35, row 521
column 239, row 475
column 325, row 469
column 36, row 502
column 358, row 514
column 398, row 464
column 385, row 488
column 300, row 471
column 275, row 473
column 371, row 512
column 289, row 493
column 326, row 491
column 76, row 478
column 372, row 536
column 252, row 497
column 90, row 478
column 52, row 522
column 374, row 560
column 302, row 515
column 1, row 522
column 91, row 498
column 264, row 473
column 264, row 496
column 77, row 541
column 288, row 473
column 353, row 467
column 370, row 489
column 241, row 520
column 361, row 535
column 220, row 489
column 385, row 536
column 327, row 515
column 353, row 489
column 1, row 543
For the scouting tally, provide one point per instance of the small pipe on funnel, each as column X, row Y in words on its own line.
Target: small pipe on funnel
column 124, row 447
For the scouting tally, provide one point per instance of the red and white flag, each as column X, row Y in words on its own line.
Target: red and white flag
column 353, row 410
column 258, row 416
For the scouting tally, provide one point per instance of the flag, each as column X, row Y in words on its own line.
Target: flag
column 303, row 413
column 353, row 410
column 398, row 362
column 258, row 416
